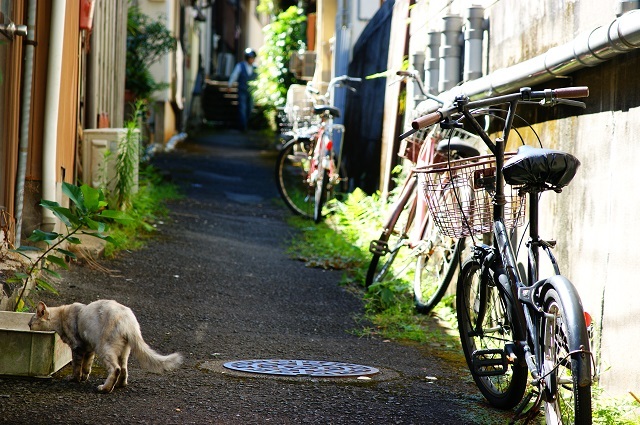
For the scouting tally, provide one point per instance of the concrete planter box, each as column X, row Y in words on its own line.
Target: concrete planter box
column 29, row 353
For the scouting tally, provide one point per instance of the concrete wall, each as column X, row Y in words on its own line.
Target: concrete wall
column 594, row 219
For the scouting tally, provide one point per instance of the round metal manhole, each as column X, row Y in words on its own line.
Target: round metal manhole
column 301, row 368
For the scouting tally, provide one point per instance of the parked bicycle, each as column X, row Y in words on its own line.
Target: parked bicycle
column 308, row 168
column 511, row 321
column 434, row 255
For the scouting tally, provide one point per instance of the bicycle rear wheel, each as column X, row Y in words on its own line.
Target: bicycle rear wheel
column 435, row 268
column 566, row 401
column 485, row 331
column 292, row 176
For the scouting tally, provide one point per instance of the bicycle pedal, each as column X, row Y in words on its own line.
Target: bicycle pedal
column 379, row 248
column 489, row 362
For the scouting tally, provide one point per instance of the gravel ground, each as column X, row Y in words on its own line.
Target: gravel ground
column 217, row 285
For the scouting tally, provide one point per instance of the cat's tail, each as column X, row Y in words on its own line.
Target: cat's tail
column 151, row 360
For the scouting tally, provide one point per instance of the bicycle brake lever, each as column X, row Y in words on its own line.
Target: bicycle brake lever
column 407, row 134
column 571, row 102
column 554, row 102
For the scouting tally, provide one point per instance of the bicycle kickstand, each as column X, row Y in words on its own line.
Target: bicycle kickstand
column 527, row 414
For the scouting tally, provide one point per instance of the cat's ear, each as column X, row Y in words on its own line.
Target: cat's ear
column 41, row 309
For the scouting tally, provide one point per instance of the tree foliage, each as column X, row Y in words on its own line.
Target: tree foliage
column 283, row 37
column 148, row 41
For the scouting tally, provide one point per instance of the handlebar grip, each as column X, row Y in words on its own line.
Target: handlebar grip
column 571, row 92
column 426, row 120
column 404, row 73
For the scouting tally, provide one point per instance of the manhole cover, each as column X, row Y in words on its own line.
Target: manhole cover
column 301, row 368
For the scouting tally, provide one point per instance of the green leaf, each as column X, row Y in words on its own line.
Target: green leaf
column 57, row 261
column 39, row 235
column 96, row 225
column 52, row 272
column 118, row 216
column 102, row 236
column 67, row 253
column 64, row 214
column 74, row 240
column 46, row 286
column 75, row 195
column 18, row 277
column 93, row 198
column 26, row 248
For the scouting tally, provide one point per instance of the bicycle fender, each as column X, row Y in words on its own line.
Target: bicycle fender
column 578, row 337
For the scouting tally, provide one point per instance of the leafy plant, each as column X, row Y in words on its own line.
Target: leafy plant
column 88, row 215
column 147, row 210
column 128, row 159
column 284, row 36
column 148, row 41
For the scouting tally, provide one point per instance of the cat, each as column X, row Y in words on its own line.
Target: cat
column 105, row 328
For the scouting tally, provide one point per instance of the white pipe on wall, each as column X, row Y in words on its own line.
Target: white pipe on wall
column 589, row 49
column 52, row 101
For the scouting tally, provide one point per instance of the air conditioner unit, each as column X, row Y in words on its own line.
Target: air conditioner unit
column 100, row 148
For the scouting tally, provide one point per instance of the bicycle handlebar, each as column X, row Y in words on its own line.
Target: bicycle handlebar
column 334, row 81
column 547, row 97
column 415, row 75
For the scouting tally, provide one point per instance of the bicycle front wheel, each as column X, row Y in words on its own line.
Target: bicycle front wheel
column 485, row 330
column 566, row 402
column 292, row 176
column 435, row 268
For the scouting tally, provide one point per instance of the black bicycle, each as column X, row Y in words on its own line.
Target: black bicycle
column 512, row 322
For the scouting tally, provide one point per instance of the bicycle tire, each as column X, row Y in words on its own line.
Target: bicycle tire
column 566, row 402
column 392, row 239
column 321, row 190
column 435, row 268
column 292, row 176
column 503, row 391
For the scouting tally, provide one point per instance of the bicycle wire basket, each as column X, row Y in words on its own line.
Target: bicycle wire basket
column 459, row 195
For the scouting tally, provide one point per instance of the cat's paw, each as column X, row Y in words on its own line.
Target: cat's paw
column 104, row 389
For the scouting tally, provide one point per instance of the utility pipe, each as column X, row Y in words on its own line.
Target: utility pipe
column 450, row 52
column 588, row 49
column 52, row 102
column 473, row 43
column 433, row 62
column 25, row 116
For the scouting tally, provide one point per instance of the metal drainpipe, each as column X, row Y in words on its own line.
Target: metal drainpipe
column 625, row 6
column 25, row 116
column 432, row 73
column 592, row 48
column 52, row 103
column 473, row 43
column 450, row 53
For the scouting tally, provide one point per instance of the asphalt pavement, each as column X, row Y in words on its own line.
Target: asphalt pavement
column 217, row 285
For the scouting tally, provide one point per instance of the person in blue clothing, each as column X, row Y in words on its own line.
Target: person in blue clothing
column 242, row 73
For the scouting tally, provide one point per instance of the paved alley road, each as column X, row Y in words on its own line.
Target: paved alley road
column 218, row 286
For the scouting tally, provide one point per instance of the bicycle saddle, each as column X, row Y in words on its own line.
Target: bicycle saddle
column 538, row 167
column 321, row 109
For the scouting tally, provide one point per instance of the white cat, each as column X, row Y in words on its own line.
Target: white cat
column 107, row 329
